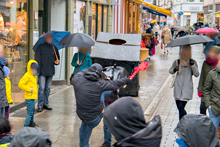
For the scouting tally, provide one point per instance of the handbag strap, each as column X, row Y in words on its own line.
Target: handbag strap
column 80, row 64
column 55, row 52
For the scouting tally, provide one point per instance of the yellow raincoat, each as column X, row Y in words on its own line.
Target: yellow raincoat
column 29, row 81
column 8, row 90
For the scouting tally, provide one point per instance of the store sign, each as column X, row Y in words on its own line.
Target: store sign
column 35, row 15
column 169, row 20
column 194, row 8
column 35, row 37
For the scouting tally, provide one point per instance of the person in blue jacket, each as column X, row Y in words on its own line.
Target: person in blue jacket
column 77, row 60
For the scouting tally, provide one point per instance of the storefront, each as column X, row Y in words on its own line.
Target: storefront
column 99, row 18
column 13, row 39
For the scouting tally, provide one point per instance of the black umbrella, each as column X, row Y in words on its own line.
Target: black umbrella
column 189, row 40
column 79, row 40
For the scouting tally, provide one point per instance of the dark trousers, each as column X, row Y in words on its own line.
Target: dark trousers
column 181, row 107
column 156, row 33
column 203, row 108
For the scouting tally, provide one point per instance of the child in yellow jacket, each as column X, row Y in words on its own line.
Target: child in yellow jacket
column 8, row 90
column 28, row 83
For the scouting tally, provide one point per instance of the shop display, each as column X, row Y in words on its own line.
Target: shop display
column 13, row 38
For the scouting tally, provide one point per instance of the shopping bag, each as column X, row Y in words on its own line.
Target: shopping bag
column 161, row 45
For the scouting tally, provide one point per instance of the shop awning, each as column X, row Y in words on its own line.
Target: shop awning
column 154, row 8
column 100, row 1
column 153, row 12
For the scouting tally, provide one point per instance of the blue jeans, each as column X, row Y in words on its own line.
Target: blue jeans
column 85, row 130
column 2, row 111
column 44, row 90
column 107, row 134
column 215, row 119
column 30, row 112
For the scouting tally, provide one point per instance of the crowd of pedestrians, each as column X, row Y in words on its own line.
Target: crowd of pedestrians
column 124, row 118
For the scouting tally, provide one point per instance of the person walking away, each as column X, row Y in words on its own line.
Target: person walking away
column 208, row 45
column 126, row 121
column 209, row 64
column 148, row 30
column 8, row 91
column 31, row 137
column 5, row 132
column 78, row 58
column 156, row 29
column 3, row 98
column 196, row 130
column 185, row 67
column 166, row 37
column 218, row 39
column 172, row 31
column 88, row 87
column 189, row 28
column 197, row 26
column 28, row 84
column 47, row 56
column 211, row 92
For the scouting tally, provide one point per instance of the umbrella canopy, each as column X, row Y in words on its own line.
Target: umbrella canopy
column 79, row 40
column 180, row 29
column 206, row 30
column 189, row 40
column 57, row 37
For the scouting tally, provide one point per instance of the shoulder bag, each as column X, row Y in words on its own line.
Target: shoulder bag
column 72, row 75
column 174, row 78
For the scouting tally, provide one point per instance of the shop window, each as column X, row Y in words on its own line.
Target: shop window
column 105, row 19
column 13, row 39
column 94, row 21
column 190, row 0
column 99, row 27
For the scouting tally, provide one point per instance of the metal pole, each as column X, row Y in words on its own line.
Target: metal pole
column 213, row 19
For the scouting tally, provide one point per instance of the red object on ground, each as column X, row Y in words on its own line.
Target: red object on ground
column 206, row 30
column 142, row 66
column 200, row 94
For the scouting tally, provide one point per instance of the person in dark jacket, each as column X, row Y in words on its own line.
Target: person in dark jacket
column 47, row 56
column 208, row 45
column 180, row 34
column 126, row 121
column 196, row 130
column 211, row 92
column 5, row 132
column 31, row 137
column 3, row 98
column 209, row 64
column 88, row 89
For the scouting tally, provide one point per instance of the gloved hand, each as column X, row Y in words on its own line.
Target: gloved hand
column 176, row 69
column 128, row 81
column 200, row 94
column 11, row 103
column 191, row 62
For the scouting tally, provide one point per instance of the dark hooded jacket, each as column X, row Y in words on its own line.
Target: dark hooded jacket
column 45, row 57
column 125, row 120
column 3, row 98
column 5, row 140
column 31, row 137
column 197, row 130
column 88, row 89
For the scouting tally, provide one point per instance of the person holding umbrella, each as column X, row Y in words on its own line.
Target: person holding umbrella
column 81, row 58
column 184, row 67
column 47, row 56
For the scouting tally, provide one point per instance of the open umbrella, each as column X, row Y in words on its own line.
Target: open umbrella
column 79, row 40
column 189, row 40
column 206, row 30
column 180, row 29
column 57, row 37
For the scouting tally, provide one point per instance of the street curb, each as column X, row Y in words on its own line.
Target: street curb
column 23, row 104
column 157, row 99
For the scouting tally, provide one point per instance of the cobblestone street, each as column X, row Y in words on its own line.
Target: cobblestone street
column 155, row 97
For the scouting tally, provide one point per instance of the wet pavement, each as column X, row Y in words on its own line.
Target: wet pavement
column 155, row 97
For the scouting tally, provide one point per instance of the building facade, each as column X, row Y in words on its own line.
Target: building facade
column 208, row 11
column 184, row 10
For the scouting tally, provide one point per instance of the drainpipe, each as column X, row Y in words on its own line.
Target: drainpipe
column 213, row 19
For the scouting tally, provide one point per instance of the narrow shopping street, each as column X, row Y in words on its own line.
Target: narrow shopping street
column 155, row 97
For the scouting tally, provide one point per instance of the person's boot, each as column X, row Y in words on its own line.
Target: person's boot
column 218, row 132
column 105, row 145
column 32, row 125
column 39, row 109
column 47, row 108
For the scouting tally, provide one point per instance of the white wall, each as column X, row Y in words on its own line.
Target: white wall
column 58, row 15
